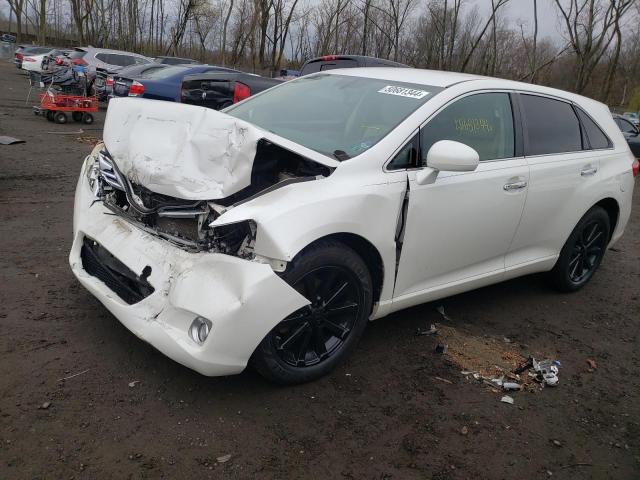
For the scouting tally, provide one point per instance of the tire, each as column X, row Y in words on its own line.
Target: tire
column 49, row 115
column 77, row 116
column 87, row 119
column 583, row 251
column 312, row 341
column 60, row 117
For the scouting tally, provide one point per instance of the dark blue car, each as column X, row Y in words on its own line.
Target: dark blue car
column 160, row 84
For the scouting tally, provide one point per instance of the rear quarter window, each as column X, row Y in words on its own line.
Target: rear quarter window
column 551, row 126
column 595, row 136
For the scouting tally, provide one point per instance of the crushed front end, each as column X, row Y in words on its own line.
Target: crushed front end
column 195, row 292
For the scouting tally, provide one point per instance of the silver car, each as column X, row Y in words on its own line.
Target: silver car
column 101, row 61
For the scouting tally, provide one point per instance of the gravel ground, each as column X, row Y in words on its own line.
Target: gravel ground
column 394, row 410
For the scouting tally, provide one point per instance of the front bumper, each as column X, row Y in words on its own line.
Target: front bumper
column 244, row 300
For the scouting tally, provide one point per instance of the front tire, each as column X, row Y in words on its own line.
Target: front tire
column 582, row 253
column 313, row 340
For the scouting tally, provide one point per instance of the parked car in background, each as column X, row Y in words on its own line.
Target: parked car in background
column 20, row 53
column 162, row 84
column 100, row 62
column 121, row 80
column 330, row 62
column 105, row 58
column 37, row 62
column 176, row 61
column 633, row 117
column 221, row 89
column 631, row 133
column 8, row 37
column 272, row 232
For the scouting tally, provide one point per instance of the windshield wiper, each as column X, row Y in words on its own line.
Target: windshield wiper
column 341, row 155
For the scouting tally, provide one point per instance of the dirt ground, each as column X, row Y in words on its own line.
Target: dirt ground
column 396, row 410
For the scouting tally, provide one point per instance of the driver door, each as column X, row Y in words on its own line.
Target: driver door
column 459, row 228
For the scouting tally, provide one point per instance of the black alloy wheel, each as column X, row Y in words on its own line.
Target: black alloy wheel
column 316, row 332
column 583, row 251
column 314, row 339
column 587, row 251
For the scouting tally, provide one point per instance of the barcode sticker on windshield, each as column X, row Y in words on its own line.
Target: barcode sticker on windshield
column 404, row 92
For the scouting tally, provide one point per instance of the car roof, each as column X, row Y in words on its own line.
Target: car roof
column 435, row 78
column 109, row 50
column 438, row 78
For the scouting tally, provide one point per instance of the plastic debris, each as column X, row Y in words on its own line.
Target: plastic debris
column 511, row 386
column 4, row 140
column 134, row 383
column 432, row 331
column 547, row 371
column 507, row 399
column 464, row 430
column 45, row 405
column 592, row 364
column 224, row 458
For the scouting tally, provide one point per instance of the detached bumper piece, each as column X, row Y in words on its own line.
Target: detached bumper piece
column 99, row 263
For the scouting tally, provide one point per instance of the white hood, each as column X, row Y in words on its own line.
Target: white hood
column 184, row 151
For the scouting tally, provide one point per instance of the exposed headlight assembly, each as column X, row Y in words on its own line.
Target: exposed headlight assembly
column 235, row 239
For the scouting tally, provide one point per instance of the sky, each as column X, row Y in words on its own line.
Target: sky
column 517, row 11
column 521, row 11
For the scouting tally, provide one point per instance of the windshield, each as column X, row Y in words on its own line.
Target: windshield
column 339, row 116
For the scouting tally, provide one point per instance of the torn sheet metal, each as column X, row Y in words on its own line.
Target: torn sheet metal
column 235, row 295
column 185, row 151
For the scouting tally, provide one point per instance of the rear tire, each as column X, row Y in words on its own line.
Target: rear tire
column 88, row 119
column 60, row 117
column 583, row 251
column 77, row 116
column 313, row 340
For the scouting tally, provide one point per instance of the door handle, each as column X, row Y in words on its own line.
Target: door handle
column 510, row 187
column 587, row 172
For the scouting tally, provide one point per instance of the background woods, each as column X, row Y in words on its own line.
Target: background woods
column 596, row 51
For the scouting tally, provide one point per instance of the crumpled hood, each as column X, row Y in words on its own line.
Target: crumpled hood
column 185, row 151
column 180, row 150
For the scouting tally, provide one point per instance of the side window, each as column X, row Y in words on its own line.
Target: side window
column 483, row 121
column 407, row 157
column 551, row 126
column 625, row 125
column 103, row 57
column 121, row 60
column 597, row 138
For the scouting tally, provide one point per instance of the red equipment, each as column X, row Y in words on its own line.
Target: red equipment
column 54, row 105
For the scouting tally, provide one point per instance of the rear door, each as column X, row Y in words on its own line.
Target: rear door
column 459, row 228
column 564, row 169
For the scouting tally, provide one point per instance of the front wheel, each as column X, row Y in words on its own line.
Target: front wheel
column 313, row 340
column 582, row 253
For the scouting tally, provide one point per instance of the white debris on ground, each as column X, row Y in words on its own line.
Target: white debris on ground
column 495, row 363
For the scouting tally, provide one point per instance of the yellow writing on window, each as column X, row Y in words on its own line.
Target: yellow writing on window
column 473, row 125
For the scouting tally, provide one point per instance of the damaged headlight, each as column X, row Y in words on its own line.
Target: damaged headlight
column 237, row 239
column 92, row 172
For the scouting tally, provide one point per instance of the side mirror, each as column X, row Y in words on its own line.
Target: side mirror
column 451, row 156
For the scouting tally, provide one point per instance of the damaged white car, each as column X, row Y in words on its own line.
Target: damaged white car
column 272, row 232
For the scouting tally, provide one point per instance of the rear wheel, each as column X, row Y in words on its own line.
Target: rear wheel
column 77, row 116
column 88, row 118
column 313, row 340
column 49, row 115
column 60, row 117
column 582, row 253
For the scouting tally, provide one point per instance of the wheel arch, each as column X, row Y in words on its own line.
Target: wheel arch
column 367, row 251
column 611, row 206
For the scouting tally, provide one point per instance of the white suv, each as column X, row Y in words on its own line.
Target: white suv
column 274, row 231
